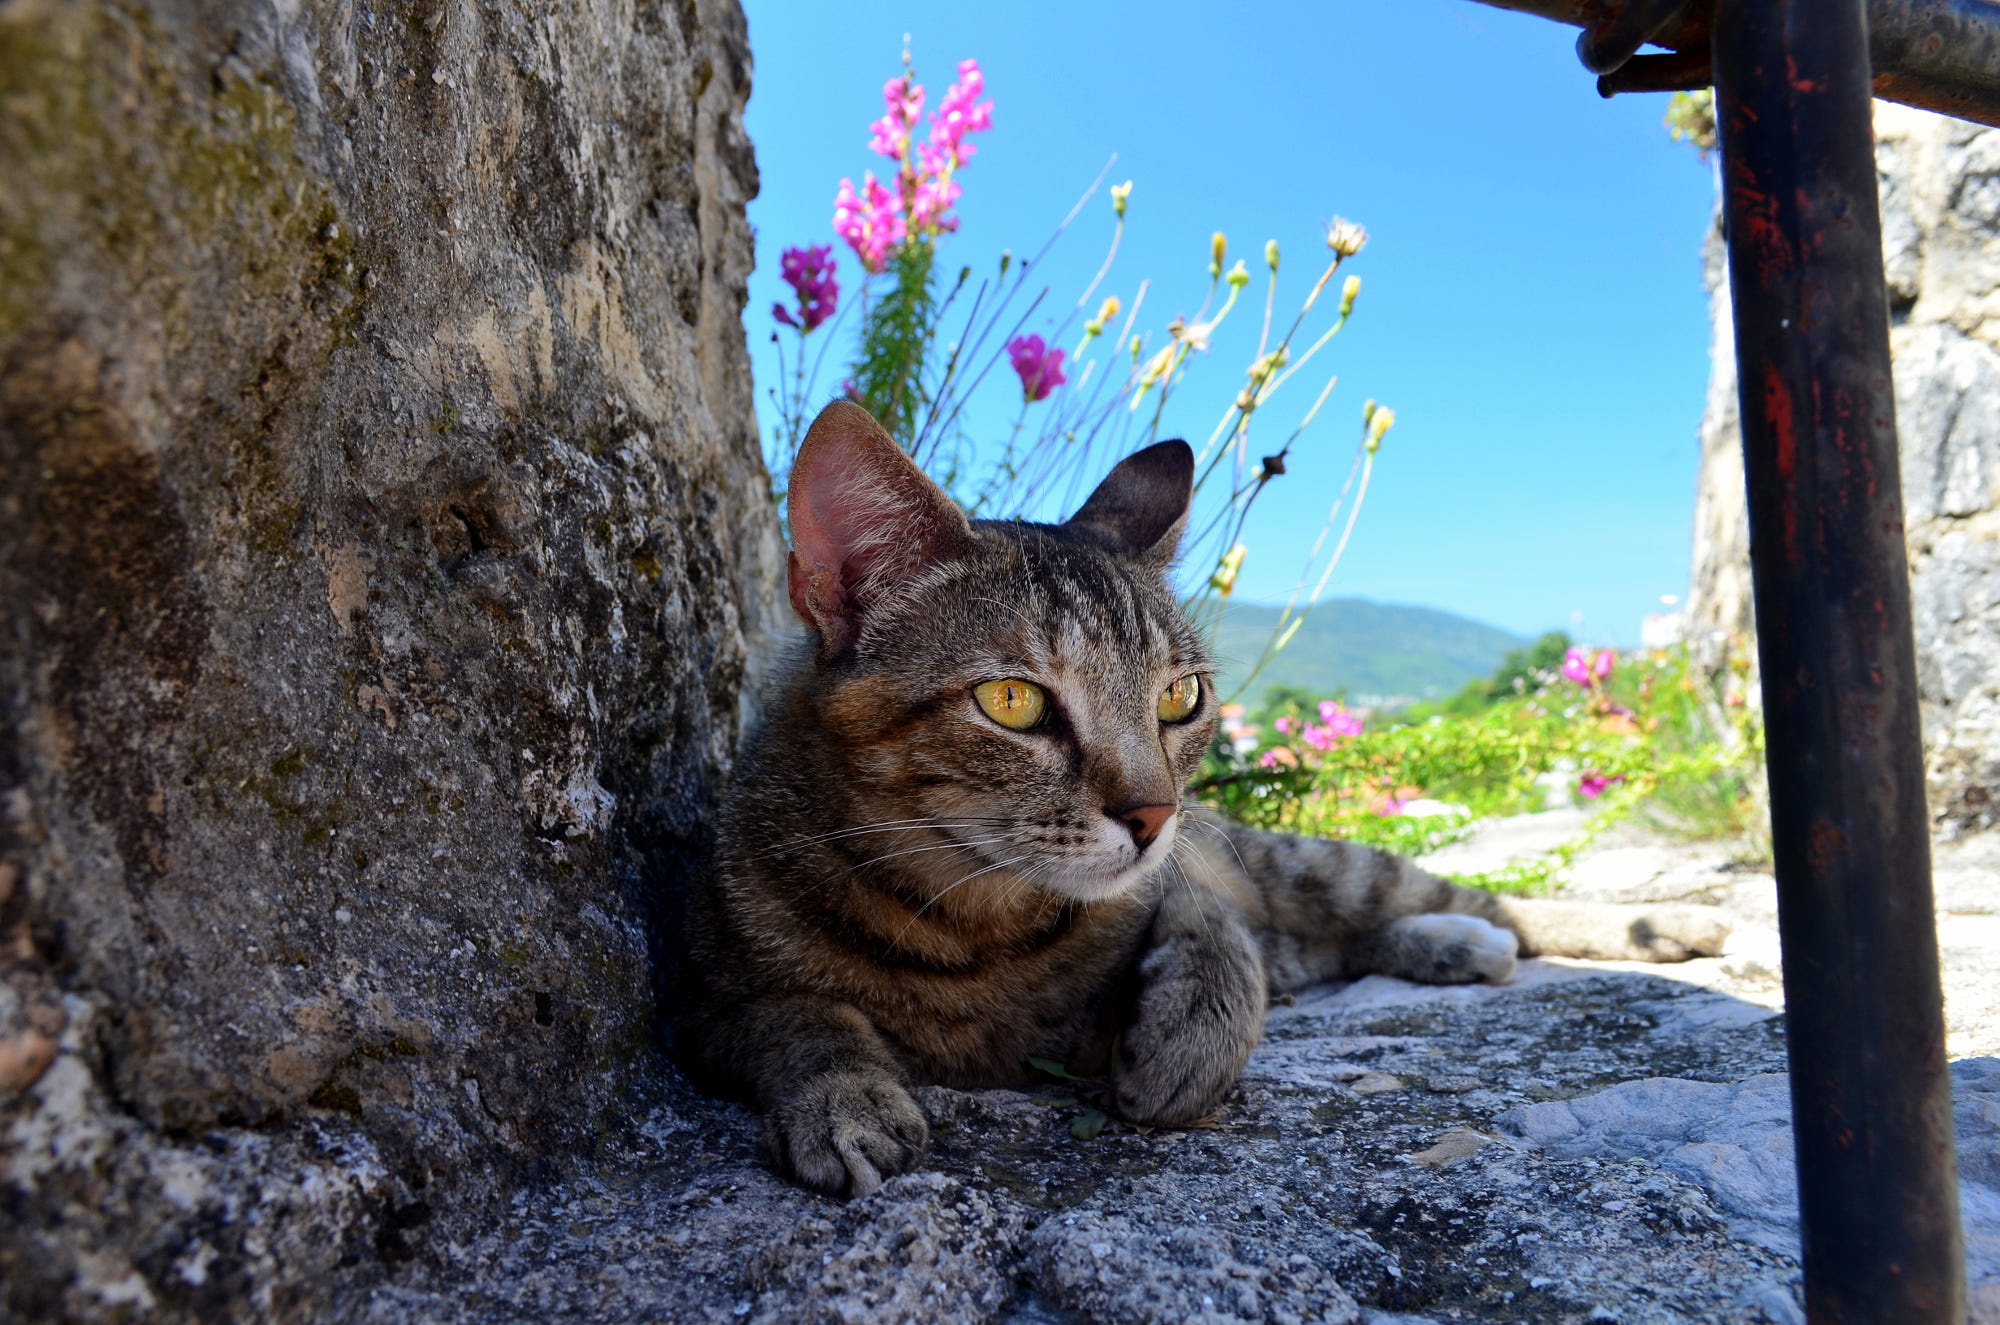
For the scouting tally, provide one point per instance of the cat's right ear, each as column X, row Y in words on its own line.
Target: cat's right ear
column 864, row 519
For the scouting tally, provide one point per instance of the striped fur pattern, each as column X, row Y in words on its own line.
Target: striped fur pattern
column 908, row 892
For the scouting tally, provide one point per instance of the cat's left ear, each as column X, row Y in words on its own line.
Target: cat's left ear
column 864, row 519
column 1141, row 507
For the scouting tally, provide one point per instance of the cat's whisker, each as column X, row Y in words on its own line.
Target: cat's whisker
column 954, row 845
column 918, row 913
column 1202, row 823
column 1196, row 896
column 886, row 826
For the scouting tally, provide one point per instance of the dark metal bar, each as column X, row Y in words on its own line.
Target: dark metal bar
column 1619, row 32
column 1871, row 1098
column 1941, row 55
column 1676, row 71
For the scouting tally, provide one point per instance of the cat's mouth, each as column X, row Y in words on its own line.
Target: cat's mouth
column 1116, row 867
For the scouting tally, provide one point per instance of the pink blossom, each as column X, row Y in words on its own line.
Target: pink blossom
column 1286, row 725
column 904, row 100
column 1594, row 784
column 871, row 222
column 931, row 201
column 1338, row 719
column 1039, row 367
column 961, row 112
column 1388, row 807
column 1580, row 666
column 809, row 271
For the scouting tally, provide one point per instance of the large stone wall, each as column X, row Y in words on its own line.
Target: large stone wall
column 1940, row 183
column 383, row 542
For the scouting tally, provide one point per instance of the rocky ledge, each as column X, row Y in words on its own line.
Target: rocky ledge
column 1593, row 1142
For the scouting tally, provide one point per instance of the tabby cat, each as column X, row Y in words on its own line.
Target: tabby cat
column 959, row 840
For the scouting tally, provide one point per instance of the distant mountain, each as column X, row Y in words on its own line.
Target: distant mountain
column 1373, row 651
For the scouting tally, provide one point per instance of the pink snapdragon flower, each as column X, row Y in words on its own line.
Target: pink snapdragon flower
column 1039, row 367
column 1594, row 784
column 960, row 113
column 870, row 221
column 931, row 201
column 1580, row 666
column 878, row 218
column 903, row 99
column 809, row 271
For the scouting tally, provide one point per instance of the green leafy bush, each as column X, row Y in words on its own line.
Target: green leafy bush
column 1658, row 736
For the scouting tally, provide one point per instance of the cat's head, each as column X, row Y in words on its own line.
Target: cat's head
column 1031, row 691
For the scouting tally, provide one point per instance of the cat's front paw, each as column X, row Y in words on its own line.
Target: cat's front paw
column 842, row 1133
column 1200, row 1013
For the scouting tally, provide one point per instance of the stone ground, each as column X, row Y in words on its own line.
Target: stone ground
column 1594, row 1142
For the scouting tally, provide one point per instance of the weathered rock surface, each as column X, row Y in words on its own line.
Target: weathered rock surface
column 381, row 529
column 1594, row 1142
column 1940, row 188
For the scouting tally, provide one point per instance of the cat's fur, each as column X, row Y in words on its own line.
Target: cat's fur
column 908, row 892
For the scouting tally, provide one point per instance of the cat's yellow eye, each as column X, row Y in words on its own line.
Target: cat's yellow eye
column 1179, row 700
column 1011, row 703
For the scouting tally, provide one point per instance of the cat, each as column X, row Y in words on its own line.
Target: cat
column 959, row 840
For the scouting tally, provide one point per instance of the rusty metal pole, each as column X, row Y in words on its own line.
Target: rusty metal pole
column 1871, row 1097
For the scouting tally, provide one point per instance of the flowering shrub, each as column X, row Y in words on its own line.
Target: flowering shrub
column 1657, row 735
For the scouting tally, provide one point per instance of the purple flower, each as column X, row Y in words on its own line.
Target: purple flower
column 809, row 271
column 1039, row 367
column 1594, row 784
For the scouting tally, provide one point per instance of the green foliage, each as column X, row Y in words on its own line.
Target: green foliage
column 1531, row 669
column 1662, row 738
column 896, row 342
column 1690, row 118
column 1524, row 671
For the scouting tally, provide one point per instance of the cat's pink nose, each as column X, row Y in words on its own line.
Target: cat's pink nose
column 1146, row 822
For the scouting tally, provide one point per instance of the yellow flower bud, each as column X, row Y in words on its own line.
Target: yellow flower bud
column 1378, row 423
column 1367, row 412
column 1239, row 275
column 1224, row 579
column 1138, row 344
column 1271, row 254
column 1351, row 288
column 1119, row 193
column 1108, row 309
column 1218, row 246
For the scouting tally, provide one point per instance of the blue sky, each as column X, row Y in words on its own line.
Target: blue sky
column 1531, row 306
